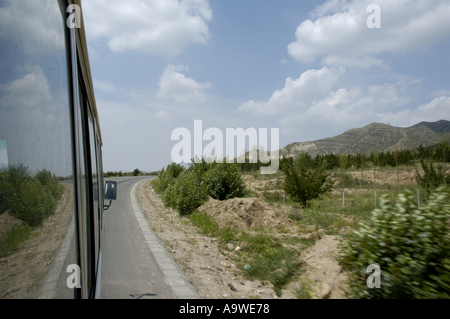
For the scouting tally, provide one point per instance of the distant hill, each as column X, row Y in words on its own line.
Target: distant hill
column 375, row 136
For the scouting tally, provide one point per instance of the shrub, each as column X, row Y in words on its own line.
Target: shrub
column 303, row 184
column 186, row 190
column 223, row 181
column 10, row 181
column 432, row 177
column 50, row 182
column 409, row 244
column 32, row 203
column 200, row 168
column 186, row 194
column 31, row 199
column 168, row 175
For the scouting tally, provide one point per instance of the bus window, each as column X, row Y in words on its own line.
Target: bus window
column 38, row 224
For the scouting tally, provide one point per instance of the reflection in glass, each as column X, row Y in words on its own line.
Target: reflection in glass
column 37, row 229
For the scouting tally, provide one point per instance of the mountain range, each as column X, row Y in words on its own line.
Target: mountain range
column 374, row 137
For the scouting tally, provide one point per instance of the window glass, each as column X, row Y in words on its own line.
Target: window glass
column 38, row 241
column 95, row 187
column 85, row 210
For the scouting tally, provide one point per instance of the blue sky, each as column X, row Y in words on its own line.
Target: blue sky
column 313, row 69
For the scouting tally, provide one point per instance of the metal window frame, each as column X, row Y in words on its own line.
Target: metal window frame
column 81, row 76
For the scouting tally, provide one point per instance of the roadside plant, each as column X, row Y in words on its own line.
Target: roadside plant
column 185, row 194
column 26, row 197
column 168, row 175
column 223, row 181
column 432, row 178
column 343, row 161
column 303, row 184
column 410, row 244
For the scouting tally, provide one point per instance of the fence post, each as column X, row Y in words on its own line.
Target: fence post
column 284, row 196
column 343, row 199
column 418, row 198
column 375, row 199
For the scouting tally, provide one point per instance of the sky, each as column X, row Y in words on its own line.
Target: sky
column 312, row 69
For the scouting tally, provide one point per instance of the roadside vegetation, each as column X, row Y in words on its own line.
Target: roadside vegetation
column 135, row 172
column 26, row 197
column 399, row 223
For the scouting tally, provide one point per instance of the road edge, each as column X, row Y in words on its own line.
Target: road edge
column 173, row 275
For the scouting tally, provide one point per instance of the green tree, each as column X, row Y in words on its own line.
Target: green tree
column 343, row 162
column 375, row 160
column 223, row 181
column 432, row 178
column 305, row 184
column 443, row 145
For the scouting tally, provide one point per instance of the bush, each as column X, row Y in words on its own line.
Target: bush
column 168, row 175
column 303, row 184
column 32, row 203
column 31, row 199
column 186, row 190
column 186, row 194
column 50, row 182
column 432, row 177
column 223, row 181
column 409, row 244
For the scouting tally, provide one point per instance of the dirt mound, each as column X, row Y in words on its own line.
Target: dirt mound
column 7, row 222
column 243, row 213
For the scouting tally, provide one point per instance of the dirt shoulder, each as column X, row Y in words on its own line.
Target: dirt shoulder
column 212, row 268
column 22, row 272
column 209, row 267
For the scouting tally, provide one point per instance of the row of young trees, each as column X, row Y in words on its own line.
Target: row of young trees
column 438, row 153
column 29, row 197
column 186, row 189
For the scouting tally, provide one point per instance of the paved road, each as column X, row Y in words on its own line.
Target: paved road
column 129, row 270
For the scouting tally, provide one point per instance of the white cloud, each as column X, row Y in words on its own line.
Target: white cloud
column 310, row 104
column 175, row 85
column 32, row 113
column 160, row 27
column 435, row 110
column 340, row 36
column 297, row 94
column 28, row 92
column 28, row 28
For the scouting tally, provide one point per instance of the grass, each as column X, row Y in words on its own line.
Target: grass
column 269, row 257
column 304, row 289
column 210, row 227
column 155, row 184
column 11, row 241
